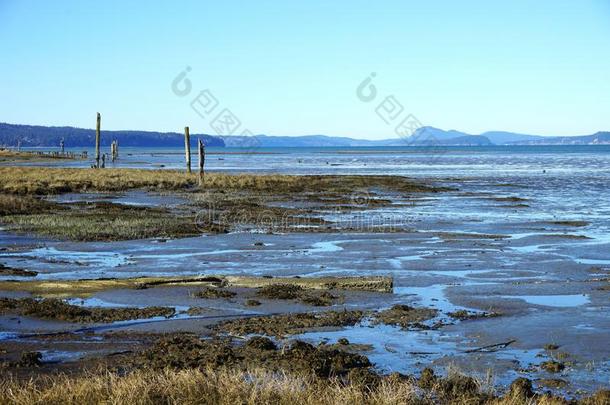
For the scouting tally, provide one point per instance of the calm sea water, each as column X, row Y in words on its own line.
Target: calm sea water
column 570, row 160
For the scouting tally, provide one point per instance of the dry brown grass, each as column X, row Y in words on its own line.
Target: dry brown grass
column 85, row 288
column 224, row 386
column 79, row 288
column 362, row 283
column 191, row 387
column 42, row 180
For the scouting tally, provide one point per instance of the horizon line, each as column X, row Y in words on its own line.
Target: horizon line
column 307, row 135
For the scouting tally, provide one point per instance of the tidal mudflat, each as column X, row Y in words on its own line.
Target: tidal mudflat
column 494, row 277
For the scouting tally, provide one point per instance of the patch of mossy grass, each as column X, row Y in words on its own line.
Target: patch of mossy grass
column 104, row 222
column 288, row 324
column 405, row 316
column 56, row 309
column 552, row 366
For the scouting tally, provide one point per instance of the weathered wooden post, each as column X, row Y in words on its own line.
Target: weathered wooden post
column 97, row 141
column 201, row 161
column 187, row 149
column 62, row 145
column 113, row 150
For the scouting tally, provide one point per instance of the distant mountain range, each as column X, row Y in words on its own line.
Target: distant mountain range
column 504, row 138
column 41, row 136
column 423, row 136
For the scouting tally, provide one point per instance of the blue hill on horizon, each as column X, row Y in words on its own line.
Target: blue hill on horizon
column 49, row 136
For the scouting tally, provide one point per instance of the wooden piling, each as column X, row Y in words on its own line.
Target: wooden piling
column 113, row 150
column 97, row 141
column 187, row 149
column 201, row 160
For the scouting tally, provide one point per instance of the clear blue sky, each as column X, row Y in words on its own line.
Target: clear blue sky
column 292, row 68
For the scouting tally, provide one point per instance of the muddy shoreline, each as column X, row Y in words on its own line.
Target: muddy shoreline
column 391, row 271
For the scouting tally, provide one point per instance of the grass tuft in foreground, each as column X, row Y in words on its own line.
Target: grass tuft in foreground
column 227, row 386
